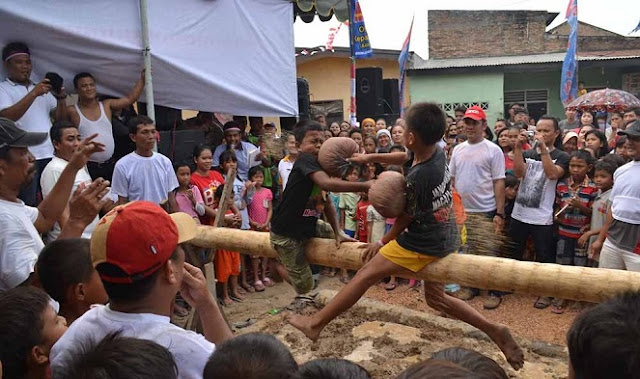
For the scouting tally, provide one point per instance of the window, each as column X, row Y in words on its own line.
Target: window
column 536, row 101
column 449, row 108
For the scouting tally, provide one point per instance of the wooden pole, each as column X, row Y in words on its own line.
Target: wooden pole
column 540, row 279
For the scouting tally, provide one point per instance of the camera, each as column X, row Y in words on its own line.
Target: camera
column 531, row 133
column 55, row 80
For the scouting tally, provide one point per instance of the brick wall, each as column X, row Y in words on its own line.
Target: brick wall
column 461, row 34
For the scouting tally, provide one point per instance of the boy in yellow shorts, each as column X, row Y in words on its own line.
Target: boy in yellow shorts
column 424, row 233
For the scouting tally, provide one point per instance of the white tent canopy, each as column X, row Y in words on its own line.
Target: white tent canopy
column 232, row 56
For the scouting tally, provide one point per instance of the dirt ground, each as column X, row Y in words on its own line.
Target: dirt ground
column 386, row 342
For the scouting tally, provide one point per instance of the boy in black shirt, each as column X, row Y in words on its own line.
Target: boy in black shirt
column 430, row 234
column 296, row 218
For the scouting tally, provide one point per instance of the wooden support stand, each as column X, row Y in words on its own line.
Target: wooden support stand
column 540, row 279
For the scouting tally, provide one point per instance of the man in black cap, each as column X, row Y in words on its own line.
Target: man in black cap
column 29, row 104
column 20, row 224
column 619, row 240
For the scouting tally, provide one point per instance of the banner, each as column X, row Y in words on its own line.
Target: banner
column 403, row 58
column 569, row 79
column 360, row 45
column 636, row 29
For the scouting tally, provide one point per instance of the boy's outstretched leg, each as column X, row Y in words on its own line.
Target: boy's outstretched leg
column 436, row 298
column 369, row 275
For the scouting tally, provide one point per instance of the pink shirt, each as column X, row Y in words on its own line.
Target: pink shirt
column 259, row 206
column 185, row 205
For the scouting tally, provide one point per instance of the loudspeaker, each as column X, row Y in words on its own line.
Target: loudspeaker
column 391, row 96
column 166, row 117
column 304, row 103
column 178, row 146
column 287, row 123
column 369, row 92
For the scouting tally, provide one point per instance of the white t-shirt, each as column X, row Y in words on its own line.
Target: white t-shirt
column 20, row 243
column 190, row 350
column 625, row 194
column 284, row 169
column 49, row 178
column 36, row 118
column 475, row 167
column 144, row 178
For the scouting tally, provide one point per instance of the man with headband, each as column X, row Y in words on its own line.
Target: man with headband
column 248, row 155
column 29, row 105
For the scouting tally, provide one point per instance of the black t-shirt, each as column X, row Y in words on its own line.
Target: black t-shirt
column 302, row 202
column 433, row 230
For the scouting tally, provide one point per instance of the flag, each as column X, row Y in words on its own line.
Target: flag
column 403, row 58
column 569, row 79
column 333, row 32
column 360, row 45
column 636, row 29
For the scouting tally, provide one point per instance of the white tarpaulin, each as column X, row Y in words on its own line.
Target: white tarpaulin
column 233, row 56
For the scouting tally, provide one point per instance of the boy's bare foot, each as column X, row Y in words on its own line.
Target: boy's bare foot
column 510, row 348
column 227, row 301
column 303, row 324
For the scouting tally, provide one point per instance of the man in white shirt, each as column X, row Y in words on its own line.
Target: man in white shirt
column 21, row 225
column 92, row 116
column 142, row 270
column 477, row 171
column 66, row 139
column 144, row 174
column 619, row 240
column 29, row 104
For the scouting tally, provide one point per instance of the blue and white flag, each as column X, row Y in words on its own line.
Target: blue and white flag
column 360, row 45
column 569, row 80
column 636, row 29
column 403, row 58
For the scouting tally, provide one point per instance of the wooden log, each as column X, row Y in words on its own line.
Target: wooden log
column 540, row 279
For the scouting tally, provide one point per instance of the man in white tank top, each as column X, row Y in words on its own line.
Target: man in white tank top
column 92, row 116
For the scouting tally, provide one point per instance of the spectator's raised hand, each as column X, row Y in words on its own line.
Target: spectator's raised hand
column 41, row 88
column 194, row 286
column 85, row 149
column 86, row 202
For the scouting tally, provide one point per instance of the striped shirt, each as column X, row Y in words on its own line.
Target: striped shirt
column 572, row 220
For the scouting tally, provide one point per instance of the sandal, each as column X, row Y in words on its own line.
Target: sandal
column 301, row 302
column 235, row 298
column 248, row 288
column 558, row 307
column 390, row 286
column 226, row 302
column 241, row 291
column 267, row 282
column 258, row 285
column 542, row 302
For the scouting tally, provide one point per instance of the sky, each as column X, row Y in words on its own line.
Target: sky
column 388, row 21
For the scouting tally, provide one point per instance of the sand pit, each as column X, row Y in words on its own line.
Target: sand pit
column 385, row 340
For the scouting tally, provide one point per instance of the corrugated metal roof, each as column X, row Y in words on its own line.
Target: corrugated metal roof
column 418, row 63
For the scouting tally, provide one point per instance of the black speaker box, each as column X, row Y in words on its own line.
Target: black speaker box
column 391, row 96
column 304, row 102
column 369, row 92
column 178, row 146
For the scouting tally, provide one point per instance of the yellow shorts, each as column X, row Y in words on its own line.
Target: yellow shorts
column 406, row 258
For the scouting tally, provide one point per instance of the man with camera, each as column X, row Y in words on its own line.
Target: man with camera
column 29, row 105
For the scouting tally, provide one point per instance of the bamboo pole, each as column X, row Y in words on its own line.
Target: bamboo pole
column 540, row 279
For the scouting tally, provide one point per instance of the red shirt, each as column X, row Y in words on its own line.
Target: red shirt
column 361, row 219
column 207, row 186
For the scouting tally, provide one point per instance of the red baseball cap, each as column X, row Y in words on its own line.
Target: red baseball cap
column 475, row 113
column 134, row 240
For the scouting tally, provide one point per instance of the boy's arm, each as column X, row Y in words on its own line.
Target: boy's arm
column 327, row 183
column 519, row 165
column 369, row 230
column 332, row 219
column 395, row 158
column 402, row 222
column 596, row 246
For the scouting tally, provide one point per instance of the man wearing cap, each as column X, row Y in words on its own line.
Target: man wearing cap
column 478, row 172
column 29, row 104
column 142, row 272
column 619, row 240
column 144, row 174
column 20, row 224
column 248, row 155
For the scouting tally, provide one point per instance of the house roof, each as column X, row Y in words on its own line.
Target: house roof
column 314, row 53
column 418, row 63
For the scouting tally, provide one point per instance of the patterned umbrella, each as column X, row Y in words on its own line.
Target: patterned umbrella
column 607, row 100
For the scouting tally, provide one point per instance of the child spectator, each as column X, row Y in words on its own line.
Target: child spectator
column 332, row 368
column 570, row 142
column 296, row 218
column 260, row 212
column 188, row 196
column 206, row 181
column 422, row 234
column 117, row 357
column 227, row 262
column 621, row 148
column 356, row 136
column 455, row 362
column 574, row 196
column 361, row 217
column 603, row 340
column 286, row 164
column 30, row 327
column 597, row 142
column 603, row 179
column 241, row 197
column 369, row 144
column 65, row 271
column 348, row 207
column 251, row 356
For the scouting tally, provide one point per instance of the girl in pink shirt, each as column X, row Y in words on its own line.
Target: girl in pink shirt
column 260, row 212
